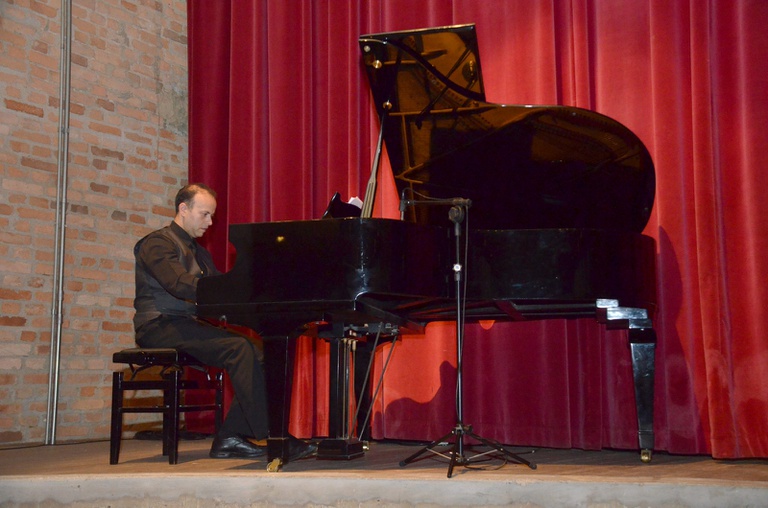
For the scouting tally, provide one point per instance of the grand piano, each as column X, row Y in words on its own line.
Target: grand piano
column 549, row 201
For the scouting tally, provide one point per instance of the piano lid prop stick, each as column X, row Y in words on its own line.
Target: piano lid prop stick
column 370, row 190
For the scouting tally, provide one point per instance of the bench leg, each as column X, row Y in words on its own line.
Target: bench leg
column 171, row 417
column 116, row 426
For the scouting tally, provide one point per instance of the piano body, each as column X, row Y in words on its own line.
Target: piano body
column 559, row 198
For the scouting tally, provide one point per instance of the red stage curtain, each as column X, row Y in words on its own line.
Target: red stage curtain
column 280, row 119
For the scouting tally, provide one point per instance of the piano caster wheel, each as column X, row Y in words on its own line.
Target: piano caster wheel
column 274, row 465
column 366, row 446
column 646, row 455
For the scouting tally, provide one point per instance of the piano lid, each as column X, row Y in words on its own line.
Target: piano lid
column 523, row 167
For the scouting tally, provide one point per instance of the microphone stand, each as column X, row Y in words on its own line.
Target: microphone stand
column 458, row 211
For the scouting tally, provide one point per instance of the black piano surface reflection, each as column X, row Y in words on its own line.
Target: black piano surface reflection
column 559, row 198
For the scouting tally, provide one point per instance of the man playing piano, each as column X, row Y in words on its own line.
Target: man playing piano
column 169, row 264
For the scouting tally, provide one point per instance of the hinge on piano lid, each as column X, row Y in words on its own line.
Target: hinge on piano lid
column 370, row 58
column 615, row 317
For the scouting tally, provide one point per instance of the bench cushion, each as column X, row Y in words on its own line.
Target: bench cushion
column 154, row 356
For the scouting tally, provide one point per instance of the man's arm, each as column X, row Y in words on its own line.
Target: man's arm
column 160, row 257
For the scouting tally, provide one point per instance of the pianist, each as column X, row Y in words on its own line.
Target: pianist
column 169, row 263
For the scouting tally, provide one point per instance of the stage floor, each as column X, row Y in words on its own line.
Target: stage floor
column 80, row 474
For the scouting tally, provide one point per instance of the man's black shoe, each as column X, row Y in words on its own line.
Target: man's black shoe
column 298, row 449
column 235, row 447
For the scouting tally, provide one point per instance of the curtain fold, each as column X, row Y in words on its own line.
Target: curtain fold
column 281, row 118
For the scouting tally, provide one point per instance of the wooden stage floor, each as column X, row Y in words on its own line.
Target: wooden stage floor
column 80, row 474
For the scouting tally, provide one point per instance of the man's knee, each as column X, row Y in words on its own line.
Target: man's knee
column 249, row 347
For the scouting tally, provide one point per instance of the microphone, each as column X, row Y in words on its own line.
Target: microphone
column 466, row 203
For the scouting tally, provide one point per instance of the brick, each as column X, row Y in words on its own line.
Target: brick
column 137, row 219
column 18, row 146
column 23, row 108
column 77, row 109
column 9, row 294
column 12, row 39
column 33, row 163
column 117, row 327
column 106, row 129
column 13, row 321
column 129, row 6
column 42, row 8
column 31, row 213
column 138, row 138
column 79, row 60
column 175, row 36
column 11, row 436
column 7, row 237
column 8, row 307
column 45, row 61
column 108, row 105
column 106, row 152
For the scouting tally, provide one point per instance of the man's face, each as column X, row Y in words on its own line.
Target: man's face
column 198, row 215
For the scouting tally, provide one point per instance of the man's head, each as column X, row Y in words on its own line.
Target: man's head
column 195, row 206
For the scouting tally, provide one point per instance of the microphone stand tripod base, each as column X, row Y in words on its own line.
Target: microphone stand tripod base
column 457, row 457
column 456, row 214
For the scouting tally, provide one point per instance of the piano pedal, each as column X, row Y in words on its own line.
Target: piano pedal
column 274, row 465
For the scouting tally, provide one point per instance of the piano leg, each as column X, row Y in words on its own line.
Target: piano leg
column 643, row 346
column 340, row 445
column 279, row 353
column 363, row 389
column 642, row 342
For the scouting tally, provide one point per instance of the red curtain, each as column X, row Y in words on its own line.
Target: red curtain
column 280, row 119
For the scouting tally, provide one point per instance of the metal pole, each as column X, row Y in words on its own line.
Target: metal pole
column 456, row 215
column 60, row 227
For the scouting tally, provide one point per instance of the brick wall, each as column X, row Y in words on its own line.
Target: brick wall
column 127, row 157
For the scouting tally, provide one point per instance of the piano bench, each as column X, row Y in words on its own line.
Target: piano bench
column 171, row 381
